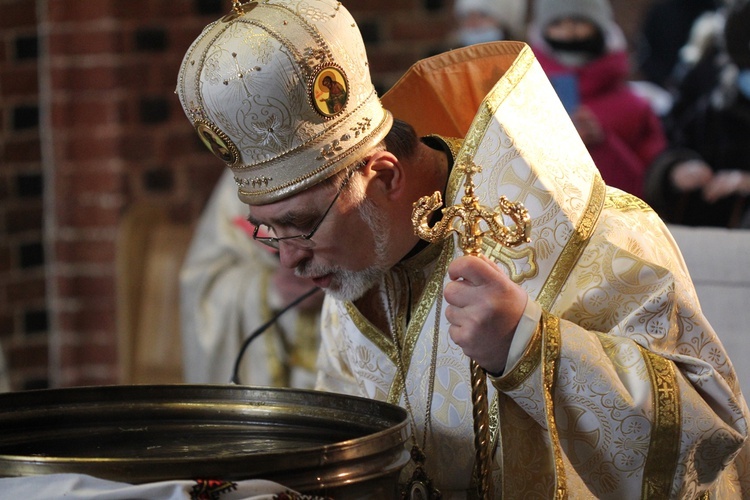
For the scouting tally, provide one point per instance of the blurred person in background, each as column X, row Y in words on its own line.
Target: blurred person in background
column 584, row 53
column 704, row 178
column 664, row 30
column 230, row 285
column 480, row 21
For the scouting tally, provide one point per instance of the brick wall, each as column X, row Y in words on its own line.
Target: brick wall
column 24, row 312
column 90, row 126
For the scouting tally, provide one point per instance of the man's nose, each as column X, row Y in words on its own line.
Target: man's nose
column 291, row 255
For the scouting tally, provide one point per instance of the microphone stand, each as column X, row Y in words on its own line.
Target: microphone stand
column 262, row 328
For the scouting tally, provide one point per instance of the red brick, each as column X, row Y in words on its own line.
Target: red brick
column 100, row 287
column 424, row 29
column 75, row 79
column 89, row 181
column 389, row 6
column 137, row 146
column 88, row 148
column 62, row 11
column 85, row 113
column 27, row 289
column 77, row 251
column 86, row 42
column 181, row 9
column 89, row 321
column 149, row 9
column 179, row 143
column 133, row 9
column 150, row 72
column 204, row 178
column 28, row 355
column 88, row 354
column 20, row 81
column 6, row 257
column 4, row 183
column 18, row 14
column 383, row 61
column 75, row 215
column 25, row 218
column 7, row 325
column 22, row 149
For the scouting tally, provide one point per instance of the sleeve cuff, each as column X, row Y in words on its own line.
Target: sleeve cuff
column 525, row 329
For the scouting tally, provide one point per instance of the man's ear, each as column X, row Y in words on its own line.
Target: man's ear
column 387, row 173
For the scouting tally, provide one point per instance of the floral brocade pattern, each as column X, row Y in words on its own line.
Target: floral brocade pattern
column 624, row 363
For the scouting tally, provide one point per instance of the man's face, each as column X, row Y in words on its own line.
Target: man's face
column 347, row 254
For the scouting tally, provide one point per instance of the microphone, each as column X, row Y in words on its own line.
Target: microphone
column 262, row 328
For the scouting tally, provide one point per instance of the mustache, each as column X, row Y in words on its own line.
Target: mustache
column 308, row 269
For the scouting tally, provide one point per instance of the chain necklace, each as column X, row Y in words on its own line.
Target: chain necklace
column 420, row 485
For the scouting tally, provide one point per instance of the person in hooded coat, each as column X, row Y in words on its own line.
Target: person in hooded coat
column 583, row 52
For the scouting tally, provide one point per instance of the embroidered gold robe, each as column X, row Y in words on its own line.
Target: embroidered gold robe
column 624, row 390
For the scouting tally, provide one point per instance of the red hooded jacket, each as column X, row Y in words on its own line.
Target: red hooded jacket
column 634, row 136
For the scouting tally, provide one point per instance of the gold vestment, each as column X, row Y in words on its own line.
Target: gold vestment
column 624, row 391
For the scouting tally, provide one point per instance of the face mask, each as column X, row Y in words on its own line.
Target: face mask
column 592, row 47
column 743, row 83
column 470, row 36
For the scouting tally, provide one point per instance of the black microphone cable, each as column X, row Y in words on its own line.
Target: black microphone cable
column 262, row 328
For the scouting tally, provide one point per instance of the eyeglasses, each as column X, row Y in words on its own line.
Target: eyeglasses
column 303, row 240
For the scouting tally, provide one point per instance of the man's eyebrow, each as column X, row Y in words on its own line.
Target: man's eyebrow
column 252, row 220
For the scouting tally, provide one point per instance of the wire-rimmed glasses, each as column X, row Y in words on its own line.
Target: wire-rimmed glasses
column 265, row 234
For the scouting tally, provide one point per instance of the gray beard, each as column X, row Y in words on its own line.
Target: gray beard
column 351, row 285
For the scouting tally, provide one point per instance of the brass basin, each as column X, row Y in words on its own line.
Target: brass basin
column 310, row 441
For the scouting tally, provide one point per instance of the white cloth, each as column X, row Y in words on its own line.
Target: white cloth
column 226, row 294
column 84, row 487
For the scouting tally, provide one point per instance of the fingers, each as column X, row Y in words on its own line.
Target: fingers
column 690, row 175
column 483, row 309
column 475, row 270
column 722, row 185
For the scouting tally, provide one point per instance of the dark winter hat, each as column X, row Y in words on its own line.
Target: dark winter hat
column 737, row 35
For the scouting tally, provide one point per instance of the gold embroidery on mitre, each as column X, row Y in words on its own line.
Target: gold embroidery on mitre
column 333, row 148
column 664, row 448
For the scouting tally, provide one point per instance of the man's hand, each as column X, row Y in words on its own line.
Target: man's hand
column 484, row 308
